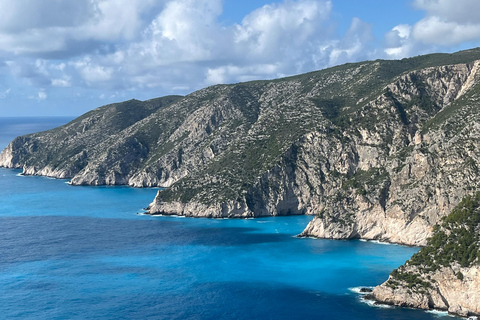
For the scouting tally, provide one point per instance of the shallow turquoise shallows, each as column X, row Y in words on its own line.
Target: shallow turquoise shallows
column 84, row 253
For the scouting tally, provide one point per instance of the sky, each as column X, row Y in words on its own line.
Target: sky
column 64, row 58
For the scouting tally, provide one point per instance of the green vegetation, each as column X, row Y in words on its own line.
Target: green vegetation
column 422, row 99
column 455, row 240
column 411, row 279
column 363, row 181
column 224, row 138
column 453, row 114
column 399, row 107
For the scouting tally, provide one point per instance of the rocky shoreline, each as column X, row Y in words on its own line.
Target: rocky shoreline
column 377, row 150
column 376, row 297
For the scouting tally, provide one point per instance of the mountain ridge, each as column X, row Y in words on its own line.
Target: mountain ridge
column 219, row 144
column 379, row 150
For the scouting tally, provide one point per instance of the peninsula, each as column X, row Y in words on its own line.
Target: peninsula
column 380, row 150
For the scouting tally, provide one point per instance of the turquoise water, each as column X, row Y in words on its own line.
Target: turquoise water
column 85, row 253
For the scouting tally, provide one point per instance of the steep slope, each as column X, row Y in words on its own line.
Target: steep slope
column 377, row 149
column 445, row 274
column 428, row 166
column 88, row 144
column 386, row 167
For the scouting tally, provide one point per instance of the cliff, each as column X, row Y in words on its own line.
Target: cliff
column 386, row 169
column 445, row 274
column 375, row 150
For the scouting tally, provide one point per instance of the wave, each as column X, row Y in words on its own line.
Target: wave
column 379, row 242
column 166, row 215
column 372, row 303
column 440, row 313
column 358, row 290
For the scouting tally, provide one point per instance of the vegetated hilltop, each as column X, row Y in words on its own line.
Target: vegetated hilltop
column 376, row 149
column 445, row 274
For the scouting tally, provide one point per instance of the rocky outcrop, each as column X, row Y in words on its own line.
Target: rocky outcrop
column 195, row 209
column 396, row 167
column 445, row 274
column 447, row 292
column 375, row 150
column 429, row 164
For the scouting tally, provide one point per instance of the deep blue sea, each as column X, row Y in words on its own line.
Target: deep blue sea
column 84, row 253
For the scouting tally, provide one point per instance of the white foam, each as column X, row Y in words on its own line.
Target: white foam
column 358, row 290
column 168, row 215
column 372, row 303
column 379, row 242
column 440, row 313
column 383, row 242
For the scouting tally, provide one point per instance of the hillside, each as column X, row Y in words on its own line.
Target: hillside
column 376, row 149
column 445, row 274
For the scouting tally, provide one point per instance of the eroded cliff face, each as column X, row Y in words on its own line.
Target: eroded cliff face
column 398, row 166
column 445, row 274
column 447, row 292
column 375, row 150
column 294, row 186
column 428, row 166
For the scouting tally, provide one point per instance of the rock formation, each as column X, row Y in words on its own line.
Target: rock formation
column 445, row 274
column 375, row 150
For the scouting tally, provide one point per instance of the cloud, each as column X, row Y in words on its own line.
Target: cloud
column 185, row 46
column 23, row 15
column 40, row 96
column 92, row 72
column 354, row 45
column 459, row 11
column 39, row 72
column 65, row 82
column 277, row 30
column 397, row 42
column 177, row 46
column 46, row 27
column 447, row 22
column 437, row 30
column 224, row 74
column 446, row 26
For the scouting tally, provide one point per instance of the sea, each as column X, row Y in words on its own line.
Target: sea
column 70, row 252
